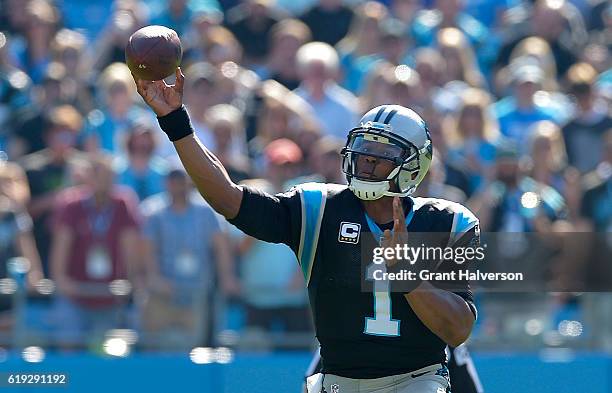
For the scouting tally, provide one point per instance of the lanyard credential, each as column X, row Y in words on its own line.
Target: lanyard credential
column 99, row 220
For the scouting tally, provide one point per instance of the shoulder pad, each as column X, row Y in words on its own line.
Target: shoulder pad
column 462, row 218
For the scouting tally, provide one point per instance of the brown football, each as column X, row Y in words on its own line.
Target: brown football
column 153, row 52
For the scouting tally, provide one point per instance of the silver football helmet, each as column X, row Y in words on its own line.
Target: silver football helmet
column 392, row 134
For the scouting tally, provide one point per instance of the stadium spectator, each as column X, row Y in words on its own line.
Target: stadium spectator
column 434, row 186
column 221, row 46
column 597, row 55
column 176, row 15
column 272, row 283
column 307, row 135
column 516, row 113
column 489, row 12
column 358, row 51
column 88, row 18
column 41, row 23
column 547, row 155
column 550, row 21
column 405, row 10
column 471, row 136
column 282, row 114
column 48, row 171
column 195, row 40
column 251, row 22
column 68, row 49
column 394, row 42
column 200, row 94
column 16, row 242
column 226, row 125
column 596, row 210
column 16, row 226
column 184, row 251
column 455, row 175
column 334, row 107
column 106, row 127
column 325, row 162
column 447, row 13
column 273, row 119
column 597, row 200
column 236, row 84
column 537, row 50
column 95, row 240
column 284, row 160
column 583, row 133
column 429, row 64
column 109, row 46
column 377, row 86
column 13, row 16
column 461, row 63
column 514, row 202
column 14, row 184
column 597, row 18
column 329, row 20
column 31, row 121
column 406, row 88
column 15, row 88
column 287, row 36
column 142, row 169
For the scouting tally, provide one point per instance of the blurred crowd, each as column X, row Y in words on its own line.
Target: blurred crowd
column 97, row 211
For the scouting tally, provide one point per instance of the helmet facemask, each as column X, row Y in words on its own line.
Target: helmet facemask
column 369, row 147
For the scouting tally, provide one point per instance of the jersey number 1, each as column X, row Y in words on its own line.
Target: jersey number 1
column 382, row 324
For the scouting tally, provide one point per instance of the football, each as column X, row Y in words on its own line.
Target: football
column 153, row 52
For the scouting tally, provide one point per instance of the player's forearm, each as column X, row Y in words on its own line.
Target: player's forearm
column 209, row 176
column 444, row 313
column 206, row 171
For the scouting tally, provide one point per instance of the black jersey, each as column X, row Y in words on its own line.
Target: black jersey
column 324, row 224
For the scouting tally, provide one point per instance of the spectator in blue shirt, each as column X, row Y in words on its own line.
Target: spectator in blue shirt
column 183, row 250
column 106, row 127
column 334, row 107
column 519, row 111
column 33, row 54
column 359, row 50
column 141, row 170
column 448, row 13
column 471, row 137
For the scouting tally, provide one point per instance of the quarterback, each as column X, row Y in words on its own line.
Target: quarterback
column 379, row 341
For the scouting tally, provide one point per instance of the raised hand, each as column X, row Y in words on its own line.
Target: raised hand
column 400, row 233
column 160, row 96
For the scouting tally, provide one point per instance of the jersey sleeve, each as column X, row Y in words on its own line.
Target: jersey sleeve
column 271, row 218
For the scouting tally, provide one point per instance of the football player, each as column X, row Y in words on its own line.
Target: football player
column 461, row 370
column 383, row 340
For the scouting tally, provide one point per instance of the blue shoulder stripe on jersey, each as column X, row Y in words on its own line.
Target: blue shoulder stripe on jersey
column 463, row 218
column 463, row 221
column 313, row 197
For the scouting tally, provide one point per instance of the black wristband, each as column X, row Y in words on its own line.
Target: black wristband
column 176, row 124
